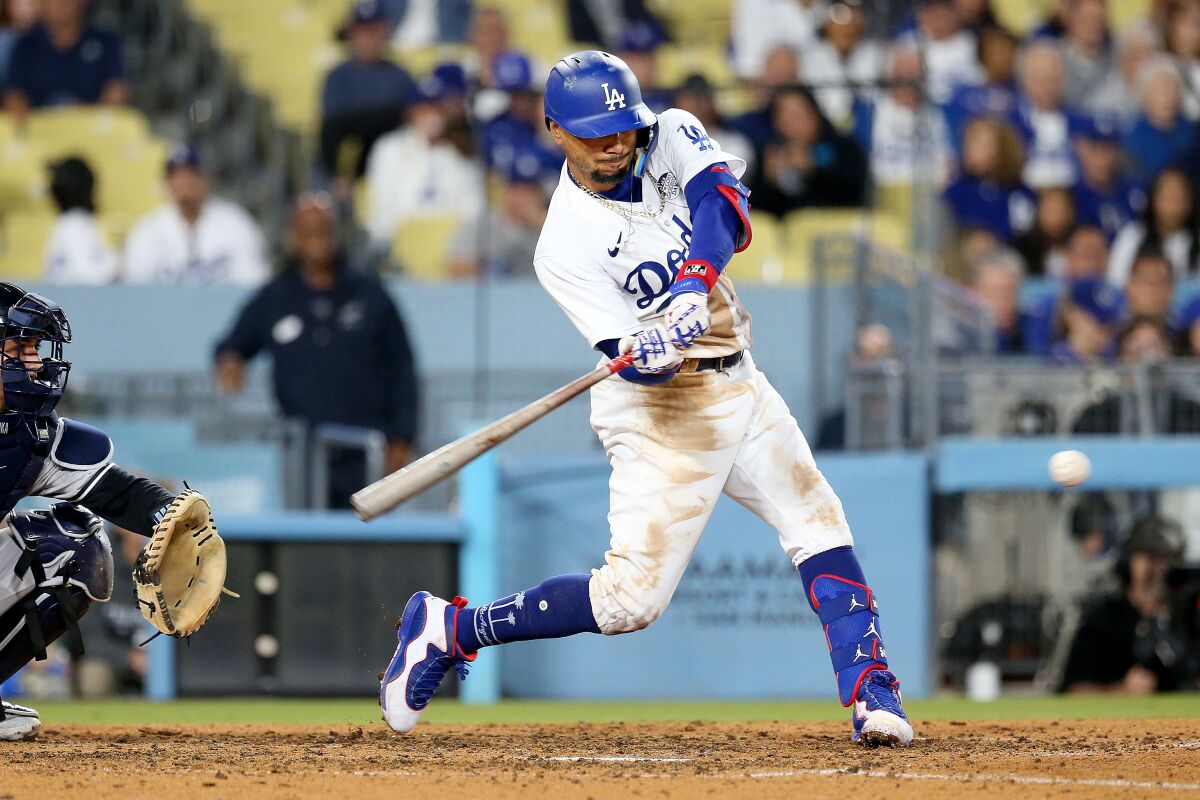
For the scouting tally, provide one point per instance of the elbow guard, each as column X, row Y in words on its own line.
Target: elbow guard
column 719, row 178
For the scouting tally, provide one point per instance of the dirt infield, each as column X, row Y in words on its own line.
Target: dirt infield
column 1095, row 758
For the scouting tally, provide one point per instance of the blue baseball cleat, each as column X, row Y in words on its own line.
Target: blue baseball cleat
column 878, row 716
column 425, row 652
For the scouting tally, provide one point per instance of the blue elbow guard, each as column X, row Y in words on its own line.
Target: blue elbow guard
column 719, row 178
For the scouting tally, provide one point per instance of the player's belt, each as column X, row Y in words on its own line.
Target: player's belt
column 720, row 364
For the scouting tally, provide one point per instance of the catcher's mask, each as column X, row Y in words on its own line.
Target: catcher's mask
column 27, row 317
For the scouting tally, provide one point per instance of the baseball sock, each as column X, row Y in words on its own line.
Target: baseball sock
column 560, row 606
column 838, row 592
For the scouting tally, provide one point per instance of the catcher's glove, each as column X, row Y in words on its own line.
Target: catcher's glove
column 180, row 573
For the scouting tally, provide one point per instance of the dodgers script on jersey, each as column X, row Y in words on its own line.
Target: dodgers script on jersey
column 610, row 272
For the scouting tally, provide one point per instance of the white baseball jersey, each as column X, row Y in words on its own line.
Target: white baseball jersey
column 610, row 272
column 224, row 246
column 77, row 251
column 677, row 446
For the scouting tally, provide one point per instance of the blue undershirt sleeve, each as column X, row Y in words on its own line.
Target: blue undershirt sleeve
column 609, row 348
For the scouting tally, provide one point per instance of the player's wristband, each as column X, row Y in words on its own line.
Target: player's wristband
column 695, row 276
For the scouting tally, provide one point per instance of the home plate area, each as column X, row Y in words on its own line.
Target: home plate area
column 1094, row 758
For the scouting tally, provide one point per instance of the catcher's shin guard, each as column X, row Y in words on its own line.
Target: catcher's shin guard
column 28, row 627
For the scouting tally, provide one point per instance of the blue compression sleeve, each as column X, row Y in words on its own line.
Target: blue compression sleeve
column 609, row 348
column 718, row 204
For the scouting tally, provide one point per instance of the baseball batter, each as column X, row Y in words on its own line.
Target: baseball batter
column 647, row 213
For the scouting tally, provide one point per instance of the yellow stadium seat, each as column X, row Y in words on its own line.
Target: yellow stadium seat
column 802, row 229
column 24, row 245
column 22, row 175
column 422, row 244
column 83, row 127
column 420, row 61
column 1020, row 16
column 697, row 22
column 762, row 261
column 676, row 62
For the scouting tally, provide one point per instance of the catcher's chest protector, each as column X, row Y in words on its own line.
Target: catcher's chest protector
column 23, row 451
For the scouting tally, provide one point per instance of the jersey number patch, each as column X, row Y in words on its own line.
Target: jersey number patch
column 614, row 98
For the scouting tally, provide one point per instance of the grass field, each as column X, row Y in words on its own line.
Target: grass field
column 236, row 711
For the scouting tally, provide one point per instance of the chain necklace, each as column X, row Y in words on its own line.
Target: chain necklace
column 627, row 210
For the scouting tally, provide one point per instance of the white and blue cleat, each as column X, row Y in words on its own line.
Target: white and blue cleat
column 18, row 723
column 878, row 716
column 425, row 652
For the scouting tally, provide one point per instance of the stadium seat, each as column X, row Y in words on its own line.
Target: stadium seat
column 676, row 62
column 24, row 245
column 22, row 175
column 86, row 126
column 421, row 60
column 762, row 262
column 421, row 245
column 697, row 22
column 802, row 229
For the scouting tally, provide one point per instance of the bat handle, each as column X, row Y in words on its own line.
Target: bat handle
column 619, row 363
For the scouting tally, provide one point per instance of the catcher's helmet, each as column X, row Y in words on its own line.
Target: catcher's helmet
column 25, row 315
column 592, row 94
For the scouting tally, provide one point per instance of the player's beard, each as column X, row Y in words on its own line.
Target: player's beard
column 611, row 179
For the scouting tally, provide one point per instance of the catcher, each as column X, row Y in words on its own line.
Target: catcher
column 55, row 563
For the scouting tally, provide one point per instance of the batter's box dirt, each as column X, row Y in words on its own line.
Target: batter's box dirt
column 1109, row 758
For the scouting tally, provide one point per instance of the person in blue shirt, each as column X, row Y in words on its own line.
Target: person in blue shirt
column 1085, row 323
column 1161, row 135
column 519, row 133
column 987, row 192
column 64, row 61
column 364, row 97
column 339, row 350
column 1103, row 196
column 997, row 95
column 996, row 280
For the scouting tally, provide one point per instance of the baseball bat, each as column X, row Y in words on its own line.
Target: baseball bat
column 391, row 490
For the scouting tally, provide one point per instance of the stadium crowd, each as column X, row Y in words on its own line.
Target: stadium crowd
column 1065, row 156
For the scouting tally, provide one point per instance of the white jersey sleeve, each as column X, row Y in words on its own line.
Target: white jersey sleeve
column 687, row 149
column 590, row 299
column 248, row 265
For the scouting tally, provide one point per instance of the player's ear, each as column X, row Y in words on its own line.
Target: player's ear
column 556, row 130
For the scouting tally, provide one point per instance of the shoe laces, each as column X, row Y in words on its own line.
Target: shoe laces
column 882, row 691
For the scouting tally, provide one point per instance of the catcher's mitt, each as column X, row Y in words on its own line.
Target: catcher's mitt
column 180, row 573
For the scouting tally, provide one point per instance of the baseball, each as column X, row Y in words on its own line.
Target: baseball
column 1070, row 468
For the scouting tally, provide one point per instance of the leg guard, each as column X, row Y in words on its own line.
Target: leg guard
column 27, row 628
column 838, row 593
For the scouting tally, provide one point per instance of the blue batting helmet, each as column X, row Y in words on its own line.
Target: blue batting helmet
column 593, row 94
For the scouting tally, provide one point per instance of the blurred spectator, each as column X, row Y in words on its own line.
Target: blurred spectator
column 1055, row 26
column 420, row 23
column 997, row 94
column 1168, row 224
column 196, row 238
column 1129, row 642
column 77, row 251
column 968, row 245
column 338, row 347
column 16, row 18
column 873, row 343
column 807, row 163
column 1161, row 135
column 1181, row 40
column 1044, row 246
column 504, row 242
column 782, row 70
column 996, row 284
column 64, row 61
column 1043, row 119
column 843, row 61
column 759, row 26
column 987, row 192
column 695, row 95
column 603, row 21
column 1085, row 48
column 1149, row 292
column 112, row 663
column 975, row 15
column 448, row 84
column 1086, row 258
column 947, row 49
column 1087, row 314
column 519, row 132
column 638, row 48
column 364, row 97
column 421, row 169
column 1118, row 94
column 905, row 139
column 1102, row 195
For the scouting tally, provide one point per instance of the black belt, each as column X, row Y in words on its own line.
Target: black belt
column 719, row 364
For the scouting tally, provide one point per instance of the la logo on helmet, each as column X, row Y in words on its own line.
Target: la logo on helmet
column 614, row 98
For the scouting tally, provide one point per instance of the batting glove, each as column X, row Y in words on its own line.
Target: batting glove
column 687, row 318
column 653, row 353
